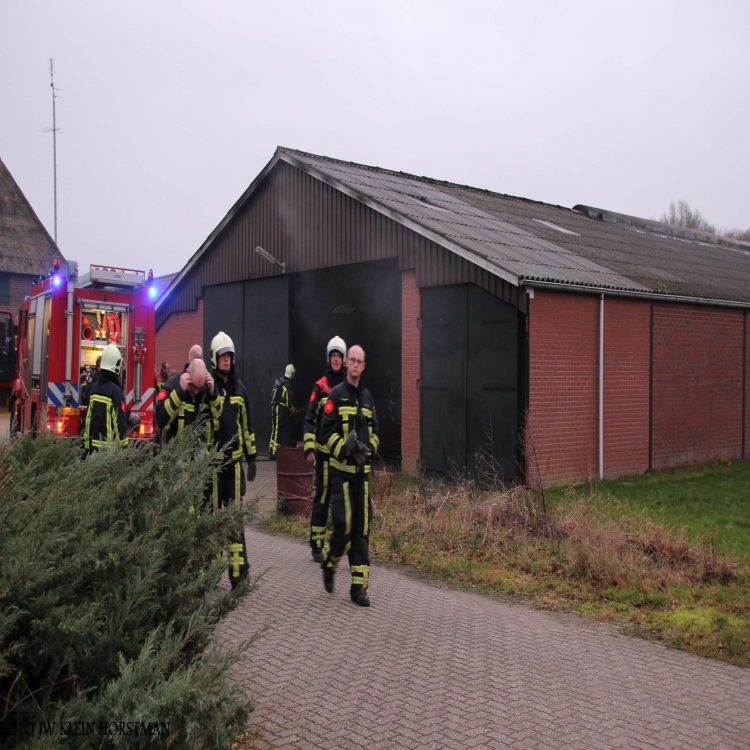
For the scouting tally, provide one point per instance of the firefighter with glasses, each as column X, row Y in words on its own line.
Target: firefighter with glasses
column 315, row 449
column 232, row 435
column 281, row 412
column 106, row 418
column 349, row 428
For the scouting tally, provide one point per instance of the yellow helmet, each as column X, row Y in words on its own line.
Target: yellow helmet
column 221, row 344
column 111, row 359
column 289, row 371
column 336, row 344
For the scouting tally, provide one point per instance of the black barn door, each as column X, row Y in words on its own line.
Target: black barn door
column 492, row 399
column 255, row 314
column 469, row 387
column 443, row 380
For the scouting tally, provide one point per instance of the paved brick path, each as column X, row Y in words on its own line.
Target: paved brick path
column 427, row 666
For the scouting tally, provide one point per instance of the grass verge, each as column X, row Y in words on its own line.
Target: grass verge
column 667, row 555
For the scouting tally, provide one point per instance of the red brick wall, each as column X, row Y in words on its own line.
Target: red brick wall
column 626, row 386
column 697, row 384
column 410, row 372
column 177, row 334
column 561, row 430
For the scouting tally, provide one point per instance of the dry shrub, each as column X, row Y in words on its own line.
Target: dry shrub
column 592, row 538
column 607, row 544
column 382, row 479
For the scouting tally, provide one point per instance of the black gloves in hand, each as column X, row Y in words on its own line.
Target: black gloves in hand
column 350, row 446
column 252, row 469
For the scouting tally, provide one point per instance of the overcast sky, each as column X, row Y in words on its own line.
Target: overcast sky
column 168, row 109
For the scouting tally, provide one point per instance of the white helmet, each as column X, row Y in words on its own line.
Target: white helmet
column 289, row 371
column 336, row 344
column 111, row 359
column 221, row 344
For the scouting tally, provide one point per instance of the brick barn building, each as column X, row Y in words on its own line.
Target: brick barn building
column 555, row 344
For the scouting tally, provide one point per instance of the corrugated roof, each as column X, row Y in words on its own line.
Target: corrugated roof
column 25, row 245
column 504, row 233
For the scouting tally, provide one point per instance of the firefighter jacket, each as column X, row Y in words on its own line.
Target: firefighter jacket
column 281, row 396
column 350, row 409
column 230, row 414
column 176, row 409
column 83, row 399
column 320, row 392
column 106, row 417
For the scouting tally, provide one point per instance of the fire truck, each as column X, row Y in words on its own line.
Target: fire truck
column 7, row 352
column 63, row 327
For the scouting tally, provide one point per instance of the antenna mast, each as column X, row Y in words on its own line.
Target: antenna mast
column 54, row 138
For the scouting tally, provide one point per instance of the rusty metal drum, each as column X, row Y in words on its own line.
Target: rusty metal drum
column 295, row 479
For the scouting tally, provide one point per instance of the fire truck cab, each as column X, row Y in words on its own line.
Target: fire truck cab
column 63, row 326
column 7, row 352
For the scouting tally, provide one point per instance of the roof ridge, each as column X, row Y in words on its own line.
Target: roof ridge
column 423, row 178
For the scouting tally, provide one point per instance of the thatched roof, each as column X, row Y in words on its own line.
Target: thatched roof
column 25, row 245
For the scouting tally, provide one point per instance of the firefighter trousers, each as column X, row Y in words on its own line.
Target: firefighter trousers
column 351, row 510
column 229, row 487
column 319, row 514
column 281, row 429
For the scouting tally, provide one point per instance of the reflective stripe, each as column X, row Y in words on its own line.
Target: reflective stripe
column 273, row 443
column 367, row 507
column 360, row 575
column 324, row 494
column 347, row 509
column 238, row 483
column 236, row 559
column 341, row 466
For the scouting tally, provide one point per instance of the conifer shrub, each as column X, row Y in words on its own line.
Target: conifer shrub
column 108, row 598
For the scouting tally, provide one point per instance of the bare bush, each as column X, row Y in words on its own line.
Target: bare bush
column 588, row 538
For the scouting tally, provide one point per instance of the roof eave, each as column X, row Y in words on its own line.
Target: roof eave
column 632, row 293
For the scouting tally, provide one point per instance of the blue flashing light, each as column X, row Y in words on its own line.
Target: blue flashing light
column 56, row 280
column 152, row 291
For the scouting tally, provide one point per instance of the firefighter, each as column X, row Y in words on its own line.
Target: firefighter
column 162, row 376
column 233, row 435
column 281, row 411
column 349, row 428
column 106, row 417
column 315, row 449
column 93, row 376
column 183, row 400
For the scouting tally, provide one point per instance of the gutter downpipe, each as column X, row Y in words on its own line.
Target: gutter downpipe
column 601, row 387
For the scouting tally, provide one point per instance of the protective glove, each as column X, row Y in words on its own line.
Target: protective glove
column 210, row 386
column 252, row 469
column 350, row 445
column 361, row 453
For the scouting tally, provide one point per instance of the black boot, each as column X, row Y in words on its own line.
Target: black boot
column 317, row 555
column 328, row 579
column 359, row 596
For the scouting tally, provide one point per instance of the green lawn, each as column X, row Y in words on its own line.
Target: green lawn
column 712, row 503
